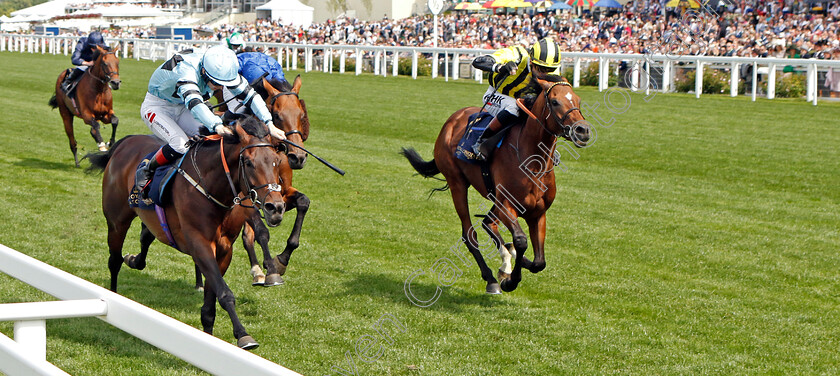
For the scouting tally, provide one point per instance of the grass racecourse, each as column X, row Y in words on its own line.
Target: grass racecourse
column 693, row 237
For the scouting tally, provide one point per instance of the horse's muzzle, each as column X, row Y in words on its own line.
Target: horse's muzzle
column 115, row 84
column 296, row 162
column 581, row 132
column 273, row 212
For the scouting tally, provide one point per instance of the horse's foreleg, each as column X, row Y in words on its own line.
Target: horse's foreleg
column 115, row 122
column 146, row 239
column 217, row 288
column 491, row 226
column 301, row 203
column 468, row 235
column 94, row 131
column 536, row 228
column 67, row 118
column 507, row 215
column 116, row 237
column 199, row 281
column 248, row 242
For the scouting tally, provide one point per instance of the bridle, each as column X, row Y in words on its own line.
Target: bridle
column 104, row 68
column 271, row 104
column 566, row 130
column 252, row 194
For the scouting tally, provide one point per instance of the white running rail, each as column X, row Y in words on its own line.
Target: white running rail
column 26, row 354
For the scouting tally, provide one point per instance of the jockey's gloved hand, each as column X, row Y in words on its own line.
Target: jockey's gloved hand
column 222, row 130
column 275, row 132
column 508, row 69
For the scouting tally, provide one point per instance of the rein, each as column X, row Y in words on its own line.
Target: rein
column 274, row 98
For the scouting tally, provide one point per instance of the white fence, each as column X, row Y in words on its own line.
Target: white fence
column 26, row 354
column 644, row 72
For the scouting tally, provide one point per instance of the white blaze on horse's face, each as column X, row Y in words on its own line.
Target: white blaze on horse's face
column 569, row 97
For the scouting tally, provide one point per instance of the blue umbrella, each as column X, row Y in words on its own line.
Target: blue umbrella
column 608, row 4
column 561, row 6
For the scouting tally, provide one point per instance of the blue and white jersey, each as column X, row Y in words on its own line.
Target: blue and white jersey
column 179, row 81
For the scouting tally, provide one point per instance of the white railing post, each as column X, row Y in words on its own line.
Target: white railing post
column 376, row 64
column 307, row 63
column 341, row 61
column 294, row 58
column 446, row 66
column 395, row 68
column 603, row 74
column 734, row 79
column 635, row 82
column 576, row 73
column 771, row 82
column 384, row 68
column 698, row 79
column 32, row 336
column 667, row 71
column 414, row 64
column 434, row 65
column 359, row 60
column 456, row 65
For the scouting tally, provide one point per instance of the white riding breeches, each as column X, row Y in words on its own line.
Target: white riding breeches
column 496, row 102
column 170, row 122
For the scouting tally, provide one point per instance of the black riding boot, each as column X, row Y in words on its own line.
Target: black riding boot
column 69, row 78
column 144, row 174
column 482, row 148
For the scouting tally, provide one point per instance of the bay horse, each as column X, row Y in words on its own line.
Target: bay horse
column 199, row 213
column 289, row 114
column 523, row 172
column 93, row 102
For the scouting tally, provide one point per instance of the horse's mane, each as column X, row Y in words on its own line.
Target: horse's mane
column 533, row 90
column 250, row 124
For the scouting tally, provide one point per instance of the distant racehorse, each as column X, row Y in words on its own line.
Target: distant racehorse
column 522, row 171
column 92, row 100
column 198, row 215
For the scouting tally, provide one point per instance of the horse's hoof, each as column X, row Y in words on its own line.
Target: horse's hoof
column 509, row 285
column 493, row 288
column 247, row 343
column 273, row 280
column 258, row 280
column 281, row 268
column 199, row 288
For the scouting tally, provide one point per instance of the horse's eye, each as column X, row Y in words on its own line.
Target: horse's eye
column 249, row 164
column 554, row 103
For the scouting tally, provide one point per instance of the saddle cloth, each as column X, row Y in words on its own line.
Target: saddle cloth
column 477, row 123
column 157, row 192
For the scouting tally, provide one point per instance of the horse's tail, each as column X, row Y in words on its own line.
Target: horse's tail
column 98, row 160
column 424, row 168
column 53, row 102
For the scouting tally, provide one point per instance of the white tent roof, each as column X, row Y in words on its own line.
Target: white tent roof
column 289, row 12
column 49, row 9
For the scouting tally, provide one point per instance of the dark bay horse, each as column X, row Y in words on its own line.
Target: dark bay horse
column 289, row 114
column 92, row 101
column 201, row 225
column 523, row 172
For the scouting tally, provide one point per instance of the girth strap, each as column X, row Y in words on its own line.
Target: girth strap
column 488, row 178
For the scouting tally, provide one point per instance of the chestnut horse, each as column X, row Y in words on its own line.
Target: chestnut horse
column 288, row 113
column 523, row 173
column 92, row 101
column 199, row 213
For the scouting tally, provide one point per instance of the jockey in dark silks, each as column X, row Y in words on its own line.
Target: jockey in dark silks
column 83, row 57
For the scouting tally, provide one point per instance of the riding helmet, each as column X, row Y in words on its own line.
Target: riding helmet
column 221, row 66
column 545, row 53
column 95, row 39
column 235, row 40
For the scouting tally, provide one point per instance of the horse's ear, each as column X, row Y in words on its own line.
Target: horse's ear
column 117, row 47
column 296, row 85
column 244, row 137
column 268, row 87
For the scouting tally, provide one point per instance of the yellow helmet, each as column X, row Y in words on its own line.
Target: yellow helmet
column 545, row 53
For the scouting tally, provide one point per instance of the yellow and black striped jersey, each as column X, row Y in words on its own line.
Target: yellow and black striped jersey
column 514, row 84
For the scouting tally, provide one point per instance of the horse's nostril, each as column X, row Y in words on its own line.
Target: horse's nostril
column 269, row 207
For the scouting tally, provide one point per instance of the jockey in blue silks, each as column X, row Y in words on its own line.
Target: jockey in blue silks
column 252, row 66
column 83, row 57
column 174, row 107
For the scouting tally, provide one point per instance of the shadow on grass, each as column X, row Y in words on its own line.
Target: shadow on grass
column 45, row 165
column 453, row 299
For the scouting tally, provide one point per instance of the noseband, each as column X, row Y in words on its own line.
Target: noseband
column 252, row 191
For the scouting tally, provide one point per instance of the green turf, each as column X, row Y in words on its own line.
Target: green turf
column 693, row 237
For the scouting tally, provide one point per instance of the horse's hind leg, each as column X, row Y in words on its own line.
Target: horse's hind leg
column 300, row 202
column 146, row 239
column 248, row 242
column 115, row 122
column 67, row 118
column 468, row 234
column 199, row 282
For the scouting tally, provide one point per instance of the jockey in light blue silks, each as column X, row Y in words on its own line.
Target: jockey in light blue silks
column 174, row 107
column 252, row 66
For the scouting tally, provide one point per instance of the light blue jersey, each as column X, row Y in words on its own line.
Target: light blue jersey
column 179, row 81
